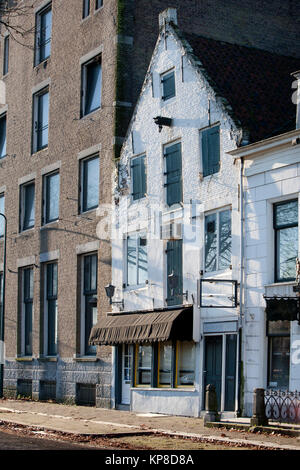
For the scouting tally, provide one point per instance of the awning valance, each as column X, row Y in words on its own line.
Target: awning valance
column 159, row 325
column 282, row 308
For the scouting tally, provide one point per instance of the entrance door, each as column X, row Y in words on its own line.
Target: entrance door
column 213, row 365
column 126, row 373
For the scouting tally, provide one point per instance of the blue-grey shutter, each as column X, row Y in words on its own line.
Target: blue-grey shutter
column 173, row 174
column 174, row 265
column 211, row 150
column 138, row 174
column 168, row 84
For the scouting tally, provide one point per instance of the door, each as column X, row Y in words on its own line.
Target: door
column 213, row 365
column 174, row 267
column 230, row 372
column 126, row 373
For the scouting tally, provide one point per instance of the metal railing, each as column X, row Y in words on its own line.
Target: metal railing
column 282, row 406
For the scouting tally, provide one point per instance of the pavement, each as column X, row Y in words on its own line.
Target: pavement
column 91, row 421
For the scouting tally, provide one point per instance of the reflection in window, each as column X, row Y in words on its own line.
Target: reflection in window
column 144, row 365
column 137, row 262
column 165, row 364
column 185, row 363
column 218, row 241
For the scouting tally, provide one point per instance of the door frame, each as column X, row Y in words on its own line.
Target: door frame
column 237, row 369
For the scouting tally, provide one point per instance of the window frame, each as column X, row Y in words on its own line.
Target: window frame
column 3, row 118
column 217, row 213
column 5, row 55
column 163, row 77
column 276, row 231
column 27, row 301
column 37, row 129
column 22, row 227
column 84, row 85
column 83, row 194
column 38, row 34
column 50, row 295
column 46, row 195
column 137, row 236
column 87, row 294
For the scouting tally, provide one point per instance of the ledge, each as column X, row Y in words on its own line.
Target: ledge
column 85, row 359
column 24, row 358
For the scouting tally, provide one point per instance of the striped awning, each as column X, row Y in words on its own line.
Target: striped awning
column 159, row 325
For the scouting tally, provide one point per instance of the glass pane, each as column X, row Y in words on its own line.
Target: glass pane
column 99, row 3
column 52, row 280
column 224, row 239
column 165, row 363
column 45, row 35
column 279, row 362
column 211, row 242
column 131, row 261
column 2, row 211
column 143, row 264
column 42, row 120
column 29, row 211
column 144, row 364
column 90, row 320
column 3, row 136
column 93, row 87
column 6, row 55
column 185, row 363
column 280, row 327
column 287, row 252
column 52, row 197
column 90, row 274
column 286, row 214
column 52, row 327
column 28, row 284
column 90, row 183
column 127, row 359
column 85, row 8
column 28, row 329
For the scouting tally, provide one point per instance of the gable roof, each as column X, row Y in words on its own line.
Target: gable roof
column 256, row 84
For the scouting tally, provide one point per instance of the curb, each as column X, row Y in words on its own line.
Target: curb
column 255, row 429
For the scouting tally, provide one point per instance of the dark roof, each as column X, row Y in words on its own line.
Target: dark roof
column 257, row 84
column 143, row 327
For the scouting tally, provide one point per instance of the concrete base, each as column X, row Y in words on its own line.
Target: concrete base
column 258, row 421
column 210, row 417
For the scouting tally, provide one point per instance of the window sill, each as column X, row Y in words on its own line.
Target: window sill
column 24, row 358
column 27, row 231
column 89, row 115
column 85, row 359
column 43, row 63
column 98, row 9
column 49, row 224
column 83, row 215
column 136, row 288
column 38, row 152
column 282, row 283
column 165, row 389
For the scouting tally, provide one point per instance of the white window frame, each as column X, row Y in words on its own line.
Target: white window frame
column 137, row 235
column 217, row 212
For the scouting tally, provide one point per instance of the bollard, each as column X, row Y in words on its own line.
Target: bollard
column 259, row 412
column 211, row 405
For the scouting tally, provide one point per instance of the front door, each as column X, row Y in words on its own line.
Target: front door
column 126, row 373
column 213, row 365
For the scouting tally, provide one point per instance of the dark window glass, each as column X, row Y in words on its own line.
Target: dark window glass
column 144, row 365
column 165, row 364
column 51, row 299
column 85, row 8
column 6, row 55
column 168, row 86
column 279, row 354
column 99, row 4
column 2, row 211
column 43, row 34
column 41, row 120
column 28, row 309
column 51, row 197
column 173, row 175
column 28, row 192
column 3, row 136
column 211, row 150
column 286, row 240
column 90, row 299
column 90, row 183
column 91, row 86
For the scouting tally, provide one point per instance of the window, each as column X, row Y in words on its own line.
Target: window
column 218, row 240
column 43, row 34
column 27, row 310
column 5, row 55
column 2, row 211
column 90, row 267
column 51, row 198
column 279, row 354
column 168, row 85
column 40, row 119
column 138, row 175
column 174, row 272
column 210, row 139
column 137, row 263
column 89, row 187
column 27, row 206
column 91, row 86
column 51, row 309
column 166, row 364
column 85, row 8
column 173, row 183
column 286, row 240
column 99, row 4
column 2, row 136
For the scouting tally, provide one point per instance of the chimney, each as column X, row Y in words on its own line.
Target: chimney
column 167, row 16
column 296, row 97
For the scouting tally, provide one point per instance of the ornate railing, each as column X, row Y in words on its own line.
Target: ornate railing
column 282, row 406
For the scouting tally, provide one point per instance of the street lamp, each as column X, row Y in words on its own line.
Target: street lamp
column 2, row 313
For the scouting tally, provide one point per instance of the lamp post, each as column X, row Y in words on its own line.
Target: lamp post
column 2, row 313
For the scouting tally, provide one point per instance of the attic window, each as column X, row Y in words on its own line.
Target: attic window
column 168, row 85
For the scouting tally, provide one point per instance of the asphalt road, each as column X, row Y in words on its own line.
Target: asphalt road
column 10, row 441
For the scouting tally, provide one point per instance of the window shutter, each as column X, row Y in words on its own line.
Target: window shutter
column 211, row 150
column 138, row 175
column 174, row 265
column 173, row 174
column 168, row 83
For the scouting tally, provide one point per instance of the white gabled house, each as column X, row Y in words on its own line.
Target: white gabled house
column 176, row 251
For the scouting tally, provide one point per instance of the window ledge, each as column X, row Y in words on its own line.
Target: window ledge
column 165, row 389
column 38, row 152
column 24, row 358
column 49, row 224
column 43, row 64
column 85, row 359
column 26, row 232
column 283, row 283
column 89, row 115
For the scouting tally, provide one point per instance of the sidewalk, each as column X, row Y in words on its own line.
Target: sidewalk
column 82, row 420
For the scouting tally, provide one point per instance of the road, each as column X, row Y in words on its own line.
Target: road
column 9, row 441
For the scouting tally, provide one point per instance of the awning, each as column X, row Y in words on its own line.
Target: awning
column 283, row 308
column 159, row 325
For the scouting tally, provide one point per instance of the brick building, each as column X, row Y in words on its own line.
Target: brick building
column 68, row 89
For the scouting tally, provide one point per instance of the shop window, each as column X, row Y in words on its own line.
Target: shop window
column 278, row 354
column 144, row 365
